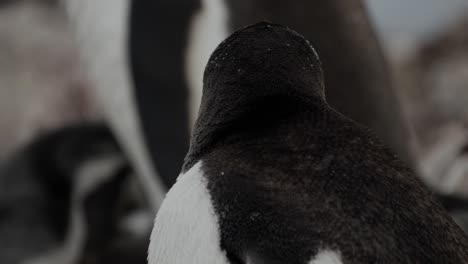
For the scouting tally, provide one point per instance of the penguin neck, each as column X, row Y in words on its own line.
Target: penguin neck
column 275, row 116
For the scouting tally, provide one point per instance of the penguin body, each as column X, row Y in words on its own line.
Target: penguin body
column 275, row 175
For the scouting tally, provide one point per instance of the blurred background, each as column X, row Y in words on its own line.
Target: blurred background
column 44, row 89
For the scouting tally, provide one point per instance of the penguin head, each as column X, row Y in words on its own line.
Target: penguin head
column 261, row 60
column 262, row 66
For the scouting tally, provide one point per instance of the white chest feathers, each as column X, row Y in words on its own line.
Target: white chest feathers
column 186, row 229
column 327, row 257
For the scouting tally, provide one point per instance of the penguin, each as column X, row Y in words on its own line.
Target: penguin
column 60, row 199
column 275, row 175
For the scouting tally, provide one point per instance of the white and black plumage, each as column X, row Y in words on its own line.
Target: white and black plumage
column 275, row 175
column 61, row 197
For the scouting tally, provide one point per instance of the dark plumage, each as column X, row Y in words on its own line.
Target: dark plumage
column 289, row 176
